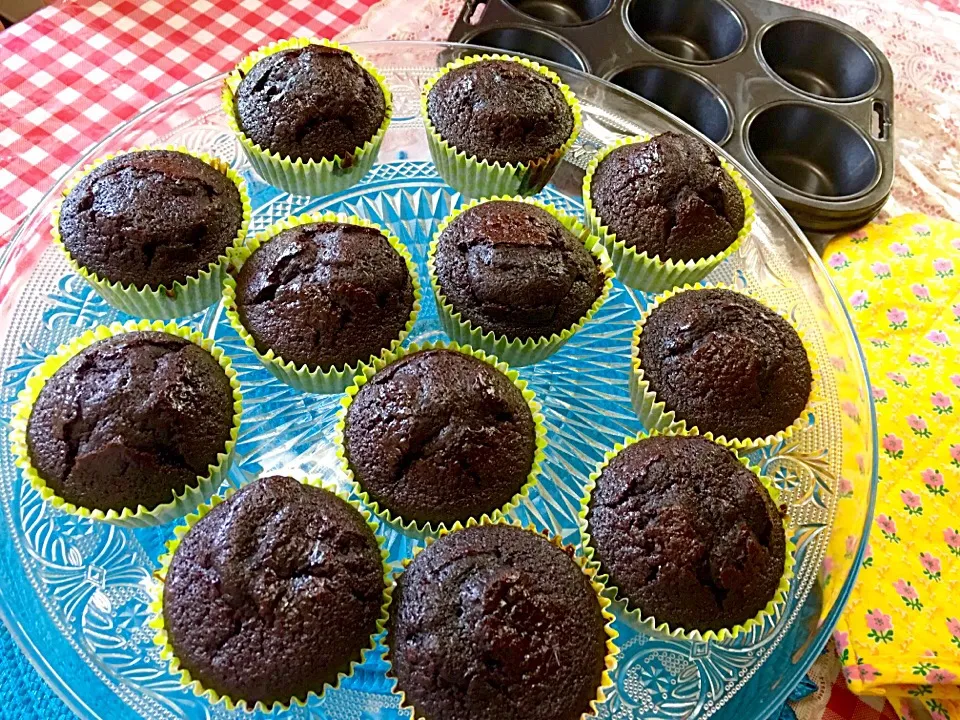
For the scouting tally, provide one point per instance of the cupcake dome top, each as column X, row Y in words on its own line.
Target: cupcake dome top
column 725, row 363
column 440, row 436
column 325, row 294
column 131, row 420
column 668, row 197
column 511, row 268
column 274, row 592
column 313, row 103
column 496, row 622
column 500, row 111
column 150, row 218
column 686, row 533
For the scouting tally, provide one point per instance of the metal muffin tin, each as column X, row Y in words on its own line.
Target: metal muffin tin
column 804, row 102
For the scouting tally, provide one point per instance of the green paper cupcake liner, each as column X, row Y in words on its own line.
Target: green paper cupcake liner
column 168, row 654
column 161, row 302
column 640, row 271
column 654, row 414
column 516, row 352
column 610, row 659
column 481, row 178
column 776, row 604
column 296, row 176
column 369, row 370
column 128, row 517
column 332, row 380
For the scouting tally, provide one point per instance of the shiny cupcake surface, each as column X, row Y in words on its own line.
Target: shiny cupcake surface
column 496, row 622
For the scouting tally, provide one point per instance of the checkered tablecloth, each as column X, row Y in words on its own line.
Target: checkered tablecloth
column 74, row 72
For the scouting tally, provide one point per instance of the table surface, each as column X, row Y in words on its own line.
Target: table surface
column 76, row 70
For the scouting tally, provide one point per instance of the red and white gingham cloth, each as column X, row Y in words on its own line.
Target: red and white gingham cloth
column 72, row 73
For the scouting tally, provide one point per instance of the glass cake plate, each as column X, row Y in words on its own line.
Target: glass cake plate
column 74, row 593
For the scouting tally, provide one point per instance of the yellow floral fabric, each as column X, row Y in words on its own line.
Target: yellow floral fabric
column 900, row 634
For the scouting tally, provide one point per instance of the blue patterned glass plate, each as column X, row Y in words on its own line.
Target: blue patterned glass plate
column 73, row 593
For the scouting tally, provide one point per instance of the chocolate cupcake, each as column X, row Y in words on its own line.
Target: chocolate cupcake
column 498, row 125
column 497, row 622
column 439, row 436
column 668, row 209
column 317, row 295
column 686, row 534
column 152, row 229
column 516, row 277
column 133, row 427
column 273, row 594
column 310, row 114
column 721, row 362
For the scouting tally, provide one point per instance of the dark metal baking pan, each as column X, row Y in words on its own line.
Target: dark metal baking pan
column 803, row 101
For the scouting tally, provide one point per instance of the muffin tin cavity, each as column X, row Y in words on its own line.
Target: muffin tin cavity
column 691, row 30
column 803, row 102
column 818, row 59
column 530, row 42
column 563, row 12
column 681, row 93
column 812, row 150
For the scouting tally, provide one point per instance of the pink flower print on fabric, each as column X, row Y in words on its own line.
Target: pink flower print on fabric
column 933, row 479
column 956, row 312
column 940, row 676
column 955, row 379
column 952, row 538
column 881, row 626
column 844, row 487
column 838, row 261
column 842, row 641
column 898, row 318
column 918, row 425
column 921, row 292
column 955, row 455
column 850, row 410
column 898, row 379
column 888, row 528
column 938, row 338
column 881, row 270
column 953, row 625
column 859, row 236
column 911, row 502
column 943, row 267
column 860, row 300
column 879, row 395
column 921, row 230
column 908, row 594
column 892, row 446
column 918, row 360
column 931, row 566
column 866, row 673
column 901, row 250
column 942, row 404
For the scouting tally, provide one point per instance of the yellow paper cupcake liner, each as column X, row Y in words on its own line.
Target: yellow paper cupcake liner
column 295, row 175
column 161, row 303
column 651, row 274
column 776, row 604
column 317, row 380
column 610, row 659
column 517, row 352
column 474, row 177
column 364, row 376
column 162, row 640
column 128, row 517
column 654, row 413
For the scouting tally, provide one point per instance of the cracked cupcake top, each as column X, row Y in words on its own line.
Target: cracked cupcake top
column 151, row 218
column 511, row 268
column 496, row 622
column 500, row 111
column 312, row 103
column 325, row 294
column 687, row 533
column 440, row 436
column 668, row 197
column 725, row 363
column 130, row 420
column 273, row 592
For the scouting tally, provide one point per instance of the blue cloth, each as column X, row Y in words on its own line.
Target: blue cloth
column 23, row 694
